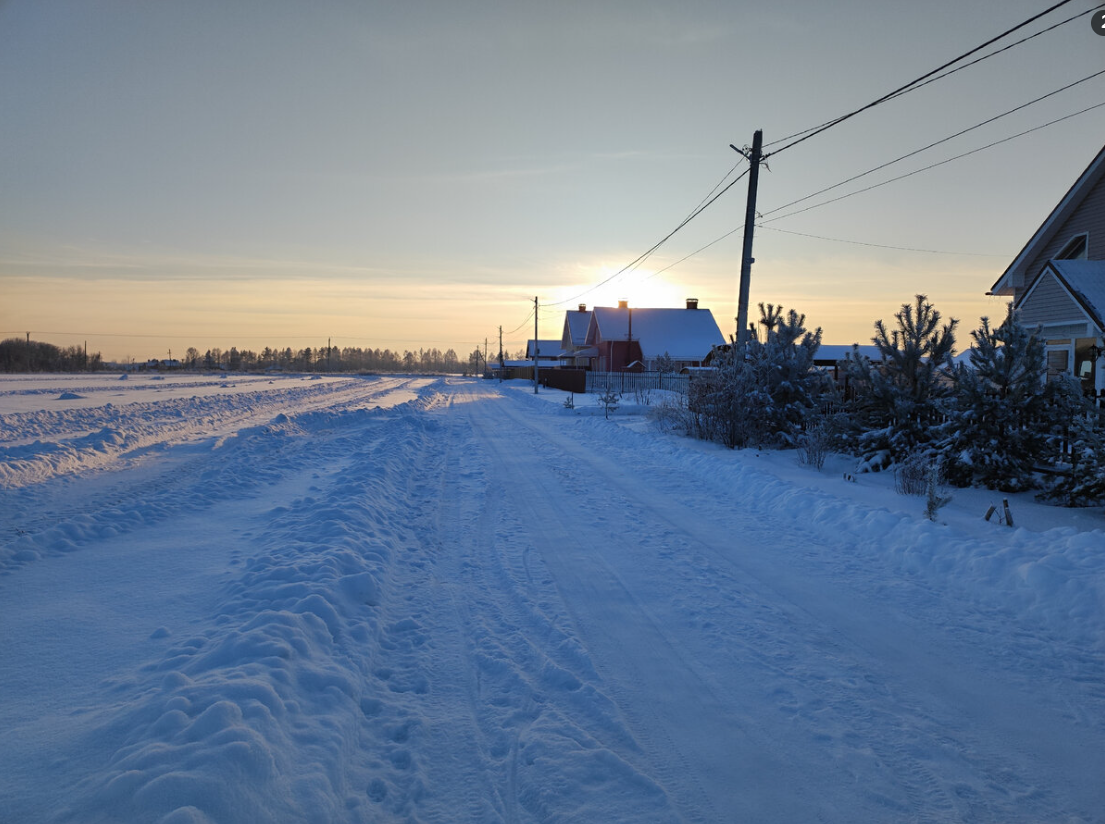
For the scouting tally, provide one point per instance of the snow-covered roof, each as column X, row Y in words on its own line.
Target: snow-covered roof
column 586, row 352
column 575, row 328
column 1017, row 270
column 545, row 349
column 684, row 334
column 839, row 351
column 1085, row 280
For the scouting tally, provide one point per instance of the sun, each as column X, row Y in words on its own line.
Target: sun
column 642, row 288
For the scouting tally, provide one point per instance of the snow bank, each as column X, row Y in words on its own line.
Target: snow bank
column 1054, row 577
column 329, row 601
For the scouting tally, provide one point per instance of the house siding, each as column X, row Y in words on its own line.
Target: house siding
column 1088, row 218
column 1049, row 303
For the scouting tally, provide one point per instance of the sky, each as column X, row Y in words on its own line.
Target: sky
column 411, row 175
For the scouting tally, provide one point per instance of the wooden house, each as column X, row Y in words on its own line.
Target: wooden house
column 574, row 351
column 1058, row 280
column 623, row 336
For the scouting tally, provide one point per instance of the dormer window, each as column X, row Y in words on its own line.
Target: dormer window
column 1077, row 248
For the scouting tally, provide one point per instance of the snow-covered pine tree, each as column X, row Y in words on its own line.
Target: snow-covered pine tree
column 665, row 364
column 1084, row 482
column 898, row 400
column 1004, row 410
column 763, row 397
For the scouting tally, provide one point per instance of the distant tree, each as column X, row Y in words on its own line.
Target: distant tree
column 475, row 360
column 191, row 357
column 19, row 355
column 665, row 364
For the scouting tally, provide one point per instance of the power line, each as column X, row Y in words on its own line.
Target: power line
column 941, row 163
column 915, row 83
column 869, row 188
column 641, row 258
column 1077, row 16
column 933, row 145
column 879, row 245
column 529, row 317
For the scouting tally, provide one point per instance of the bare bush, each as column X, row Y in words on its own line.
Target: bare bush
column 813, row 445
column 911, row 475
column 672, row 415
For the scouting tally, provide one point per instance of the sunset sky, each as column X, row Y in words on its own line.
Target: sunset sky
column 411, row 174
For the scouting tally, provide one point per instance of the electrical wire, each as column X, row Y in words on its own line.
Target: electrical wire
column 1078, row 16
column 529, row 317
column 641, row 258
column 878, row 245
column 933, row 145
column 859, row 191
column 940, row 163
column 916, row 83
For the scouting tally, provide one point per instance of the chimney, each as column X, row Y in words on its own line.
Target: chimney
column 583, row 307
column 692, row 303
column 623, row 304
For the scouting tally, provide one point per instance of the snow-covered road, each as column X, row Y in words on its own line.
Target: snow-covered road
column 445, row 600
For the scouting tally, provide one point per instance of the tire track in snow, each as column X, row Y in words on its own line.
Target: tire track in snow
column 857, row 642
column 539, row 699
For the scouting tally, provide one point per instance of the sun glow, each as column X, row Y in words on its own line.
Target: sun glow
column 642, row 288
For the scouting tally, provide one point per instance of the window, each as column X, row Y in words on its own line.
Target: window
column 1077, row 248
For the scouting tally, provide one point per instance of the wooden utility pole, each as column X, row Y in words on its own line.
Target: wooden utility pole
column 502, row 365
column 754, row 157
column 536, row 348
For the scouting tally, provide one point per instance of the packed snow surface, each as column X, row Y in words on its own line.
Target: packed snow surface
column 382, row 599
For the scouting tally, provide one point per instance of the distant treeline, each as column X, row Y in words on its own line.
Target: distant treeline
column 322, row 359
column 18, row 355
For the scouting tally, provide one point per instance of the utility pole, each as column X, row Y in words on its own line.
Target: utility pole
column 485, row 354
column 501, row 364
column 754, row 157
column 328, row 354
column 536, row 348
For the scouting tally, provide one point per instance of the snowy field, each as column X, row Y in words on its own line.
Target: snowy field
column 411, row 599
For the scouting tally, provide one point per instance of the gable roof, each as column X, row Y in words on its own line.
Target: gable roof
column 575, row 328
column 546, row 349
column 685, row 334
column 1017, row 271
column 1084, row 280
